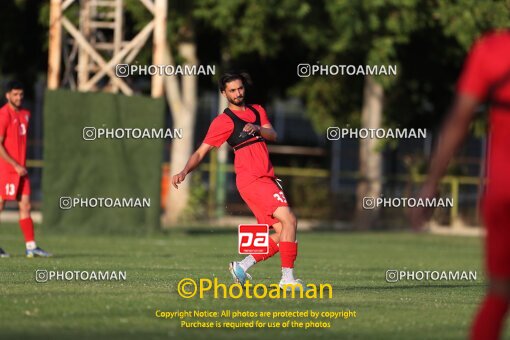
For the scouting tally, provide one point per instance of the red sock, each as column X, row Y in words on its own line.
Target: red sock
column 273, row 249
column 288, row 254
column 489, row 320
column 27, row 227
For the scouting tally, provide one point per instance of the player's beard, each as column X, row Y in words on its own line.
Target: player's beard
column 239, row 101
column 14, row 105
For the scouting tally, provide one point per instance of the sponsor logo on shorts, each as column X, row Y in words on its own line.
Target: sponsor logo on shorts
column 253, row 238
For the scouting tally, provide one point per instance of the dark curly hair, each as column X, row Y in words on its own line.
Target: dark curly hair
column 231, row 76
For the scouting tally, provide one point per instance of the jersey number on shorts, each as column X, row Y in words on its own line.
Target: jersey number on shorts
column 280, row 197
column 9, row 189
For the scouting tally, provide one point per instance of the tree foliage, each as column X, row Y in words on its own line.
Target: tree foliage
column 427, row 39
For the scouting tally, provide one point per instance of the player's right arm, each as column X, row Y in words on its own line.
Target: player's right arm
column 192, row 163
column 20, row 170
column 219, row 131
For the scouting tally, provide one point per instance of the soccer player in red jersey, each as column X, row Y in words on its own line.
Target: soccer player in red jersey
column 485, row 77
column 245, row 128
column 14, row 181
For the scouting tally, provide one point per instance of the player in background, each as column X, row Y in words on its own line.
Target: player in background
column 14, row 181
column 485, row 77
column 245, row 128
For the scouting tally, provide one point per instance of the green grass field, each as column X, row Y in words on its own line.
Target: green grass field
column 354, row 264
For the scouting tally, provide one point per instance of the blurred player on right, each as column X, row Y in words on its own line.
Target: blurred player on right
column 485, row 77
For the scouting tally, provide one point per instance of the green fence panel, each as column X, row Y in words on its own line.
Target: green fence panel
column 105, row 168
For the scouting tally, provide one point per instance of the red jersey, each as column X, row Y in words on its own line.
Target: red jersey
column 251, row 162
column 486, row 75
column 486, row 65
column 14, row 127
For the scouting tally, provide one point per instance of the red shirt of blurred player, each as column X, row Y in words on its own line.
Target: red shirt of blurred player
column 489, row 64
column 486, row 76
column 14, row 127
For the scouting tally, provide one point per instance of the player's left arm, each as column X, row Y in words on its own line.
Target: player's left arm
column 265, row 130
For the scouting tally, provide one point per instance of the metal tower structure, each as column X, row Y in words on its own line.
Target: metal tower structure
column 97, row 45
